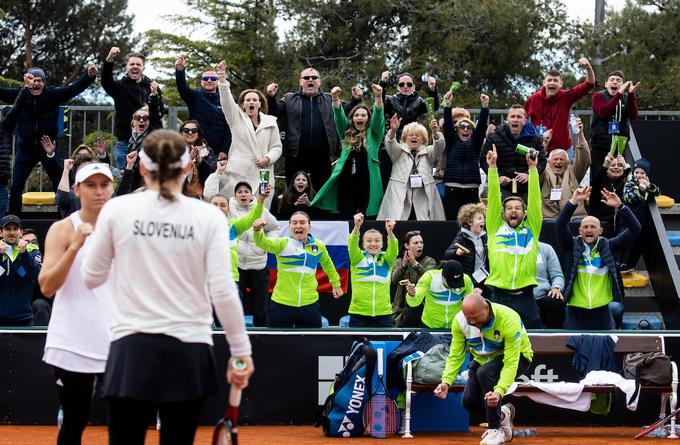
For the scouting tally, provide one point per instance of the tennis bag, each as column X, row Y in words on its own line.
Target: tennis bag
column 649, row 368
column 342, row 413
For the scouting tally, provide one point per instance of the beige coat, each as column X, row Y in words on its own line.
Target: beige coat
column 570, row 181
column 399, row 196
column 247, row 145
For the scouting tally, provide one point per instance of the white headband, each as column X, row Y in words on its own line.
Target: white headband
column 152, row 166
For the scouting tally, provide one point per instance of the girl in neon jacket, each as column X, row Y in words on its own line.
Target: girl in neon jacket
column 371, row 270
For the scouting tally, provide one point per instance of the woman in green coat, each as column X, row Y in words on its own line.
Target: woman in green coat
column 358, row 169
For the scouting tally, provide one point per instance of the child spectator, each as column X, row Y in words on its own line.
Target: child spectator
column 371, row 270
column 469, row 246
column 297, row 196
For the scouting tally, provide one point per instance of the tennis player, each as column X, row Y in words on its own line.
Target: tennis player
column 172, row 257
column 78, row 334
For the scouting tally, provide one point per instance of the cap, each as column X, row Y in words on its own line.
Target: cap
column 10, row 219
column 94, row 168
column 452, row 271
column 643, row 164
column 37, row 72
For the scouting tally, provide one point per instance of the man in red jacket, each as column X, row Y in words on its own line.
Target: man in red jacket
column 549, row 108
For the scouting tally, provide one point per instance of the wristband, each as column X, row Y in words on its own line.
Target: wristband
column 50, row 155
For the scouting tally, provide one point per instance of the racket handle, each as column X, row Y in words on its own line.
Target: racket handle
column 380, row 362
column 234, row 393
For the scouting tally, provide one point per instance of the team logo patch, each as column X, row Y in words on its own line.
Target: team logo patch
column 315, row 249
column 496, row 335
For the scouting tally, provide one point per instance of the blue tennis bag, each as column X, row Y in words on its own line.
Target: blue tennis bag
column 342, row 413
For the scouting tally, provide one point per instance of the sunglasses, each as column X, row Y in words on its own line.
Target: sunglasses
column 189, row 130
column 464, row 127
column 310, row 77
column 206, row 78
column 405, row 84
column 139, row 117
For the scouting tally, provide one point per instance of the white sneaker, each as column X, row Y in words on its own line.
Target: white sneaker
column 492, row 437
column 507, row 416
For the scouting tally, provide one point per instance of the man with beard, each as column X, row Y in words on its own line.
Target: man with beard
column 37, row 119
column 550, row 107
column 560, row 179
column 593, row 278
column 513, row 229
column 129, row 94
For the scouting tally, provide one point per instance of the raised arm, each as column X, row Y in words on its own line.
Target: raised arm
column 187, row 95
column 60, row 252
column 229, row 107
column 64, row 94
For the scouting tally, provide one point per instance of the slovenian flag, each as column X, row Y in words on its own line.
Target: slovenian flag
column 334, row 236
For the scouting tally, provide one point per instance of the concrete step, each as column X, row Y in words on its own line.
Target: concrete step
column 640, row 292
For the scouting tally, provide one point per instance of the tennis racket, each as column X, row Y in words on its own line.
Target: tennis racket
column 381, row 414
column 656, row 424
column 226, row 430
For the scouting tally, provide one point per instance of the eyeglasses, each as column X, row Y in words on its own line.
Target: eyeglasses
column 405, row 84
column 310, row 77
column 464, row 127
column 189, row 130
column 206, row 78
column 139, row 117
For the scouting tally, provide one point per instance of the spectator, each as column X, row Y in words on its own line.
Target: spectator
column 411, row 267
column 612, row 178
column 613, row 108
column 514, row 229
column 308, row 133
column 371, row 270
column 355, row 185
column 253, row 273
column 19, row 272
column 443, row 291
column 406, row 103
column 512, row 168
column 412, row 193
column 79, row 333
column 295, row 299
column 256, row 142
column 129, row 94
column 297, row 196
column 202, row 157
column 560, row 179
column 204, row 106
column 144, row 121
column 457, row 114
column 66, row 200
column 549, row 286
column 491, row 372
column 470, row 244
column 549, row 108
column 463, row 145
column 638, row 192
column 593, row 278
column 42, row 307
column 37, row 118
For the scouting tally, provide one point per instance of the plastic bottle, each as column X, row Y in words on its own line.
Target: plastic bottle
column 524, row 432
column 573, row 124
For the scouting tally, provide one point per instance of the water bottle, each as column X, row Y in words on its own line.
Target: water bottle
column 573, row 124
column 524, row 432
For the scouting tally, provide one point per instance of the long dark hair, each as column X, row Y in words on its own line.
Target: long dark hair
column 356, row 139
column 290, row 195
column 407, row 239
column 201, row 135
column 164, row 147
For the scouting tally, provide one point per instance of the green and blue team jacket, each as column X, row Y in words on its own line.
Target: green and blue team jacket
column 442, row 304
column 296, row 263
column 371, row 277
column 593, row 284
column 503, row 335
column 513, row 253
column 236, row 228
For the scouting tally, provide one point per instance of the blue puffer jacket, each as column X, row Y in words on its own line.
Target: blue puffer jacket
column 608, row 248
column 462, row 158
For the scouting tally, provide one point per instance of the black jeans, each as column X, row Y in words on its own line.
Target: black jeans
column 129, row 419
column 254, row 289
column 457, row 197
column 482, row 379
column 282, row 316
column 75, row 391
column 598, row 319
column 24, row 161
column 366, row 321
column 524, row 304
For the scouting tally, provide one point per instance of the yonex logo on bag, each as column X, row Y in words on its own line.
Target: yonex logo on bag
column 345, row 427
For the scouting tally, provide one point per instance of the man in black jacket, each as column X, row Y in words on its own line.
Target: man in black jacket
column 38, row 118
column 129, row 94
column 307, row 127
column 204, row 106
column 512, row 166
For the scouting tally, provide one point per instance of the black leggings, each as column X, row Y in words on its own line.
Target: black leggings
column 75, row 395
column 130, row 418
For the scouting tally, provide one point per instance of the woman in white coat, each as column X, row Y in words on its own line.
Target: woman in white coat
column 412, row 189
column 255, row 140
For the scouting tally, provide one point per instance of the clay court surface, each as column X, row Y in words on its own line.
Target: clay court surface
column 301, row 435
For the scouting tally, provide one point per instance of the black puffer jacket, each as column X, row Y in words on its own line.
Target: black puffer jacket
column 408, row 108
column 510, row 162
column 467, row 260
column 38, row 116
column 462, row 158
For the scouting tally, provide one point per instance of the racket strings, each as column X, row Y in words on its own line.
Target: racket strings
column 381, row 415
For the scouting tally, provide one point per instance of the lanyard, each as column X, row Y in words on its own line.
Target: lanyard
column 414, row 168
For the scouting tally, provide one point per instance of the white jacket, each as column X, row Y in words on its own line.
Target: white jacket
column 251, row 257
column 247, row 145
column 399, row 196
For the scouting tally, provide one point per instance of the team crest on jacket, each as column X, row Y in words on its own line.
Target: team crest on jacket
column 497, row 335
column 315, row 249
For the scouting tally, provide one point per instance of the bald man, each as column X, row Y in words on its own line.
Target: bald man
column 501, row 351
column 594, row 282
column 560, row 179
